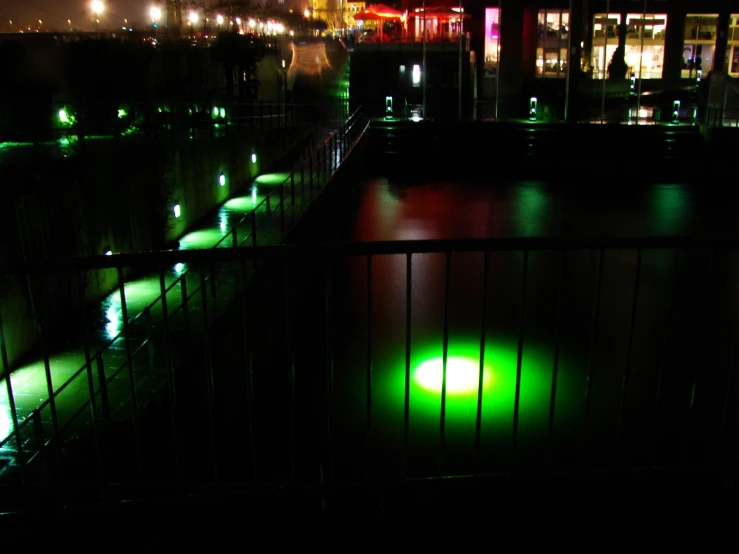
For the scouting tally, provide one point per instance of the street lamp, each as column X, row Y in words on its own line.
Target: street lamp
column 193, row 17
column 155, row 14
column 219, row 21
column 97, row 8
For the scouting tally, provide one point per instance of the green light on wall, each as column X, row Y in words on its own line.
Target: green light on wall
column 222, row 179
column 176, row 210
column 253, row 157
column 215, row 112
column 65, row 118
column 223, row 112
column 122, row 113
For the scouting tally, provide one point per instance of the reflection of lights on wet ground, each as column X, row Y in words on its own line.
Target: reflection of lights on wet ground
column 463, row 366
column 254, row 195
column 462, row 375
column 113, row 325
column 223, row 222
column 6, row 421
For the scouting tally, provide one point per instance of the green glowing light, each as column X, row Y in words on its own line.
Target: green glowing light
column 463, row 366
column 215, row 112
column 272, row 179
column 253, row 158
column 222, row 179
column 65, row 118
column 122, row 113
column 223, row 112
column 462, row 375
column 176, row 210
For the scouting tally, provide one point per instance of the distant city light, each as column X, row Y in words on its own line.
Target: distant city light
column 155, row 13
column 193, row 17
column 219, row 19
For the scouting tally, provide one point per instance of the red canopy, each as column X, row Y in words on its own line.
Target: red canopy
column 376, row 12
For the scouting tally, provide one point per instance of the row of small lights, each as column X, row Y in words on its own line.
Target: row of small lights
column 155, row 13
column 177, row 210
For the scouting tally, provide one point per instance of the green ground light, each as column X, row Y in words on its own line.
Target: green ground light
column 463, row 366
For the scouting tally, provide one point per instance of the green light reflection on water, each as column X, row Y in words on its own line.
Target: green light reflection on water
column 498, row 395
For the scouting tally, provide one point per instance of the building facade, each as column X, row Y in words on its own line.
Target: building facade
column 660, row 42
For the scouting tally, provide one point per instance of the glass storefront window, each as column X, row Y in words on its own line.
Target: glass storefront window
column 644, row 48
column 492, row 41
column 699, row 45
column 605, row 41
column 732, row 54
column 551, row 44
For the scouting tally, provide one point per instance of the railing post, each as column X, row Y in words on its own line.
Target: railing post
column 269, row 213
column 103, row 383
column 11, row 397
column 235, row 237
column 149, row 338
column 310, row 174
column 254, row 227
column 185, row 311
column 131, row 372
column 292, row 184
column 325, row 160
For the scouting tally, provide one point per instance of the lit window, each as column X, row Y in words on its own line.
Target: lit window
column 551, row 44
column 699, row 44
column 732, row 51
column 492, row 41
column 644, row 50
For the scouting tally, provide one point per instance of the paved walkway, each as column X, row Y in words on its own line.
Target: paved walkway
column 272, row 203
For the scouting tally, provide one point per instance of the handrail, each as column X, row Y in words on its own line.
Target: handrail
column 348, row 124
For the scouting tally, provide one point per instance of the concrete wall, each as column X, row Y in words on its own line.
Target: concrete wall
column 117, row 195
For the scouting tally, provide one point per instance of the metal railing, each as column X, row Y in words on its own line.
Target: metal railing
column 68, row 120
column 309, row 399
column 305, row 181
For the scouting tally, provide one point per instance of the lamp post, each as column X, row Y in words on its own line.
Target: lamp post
column 155, row 14
column 97, row 9
column 193, row 18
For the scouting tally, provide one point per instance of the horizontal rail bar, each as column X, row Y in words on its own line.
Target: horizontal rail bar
column 278, row 252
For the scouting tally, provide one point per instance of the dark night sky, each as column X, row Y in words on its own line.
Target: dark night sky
column 54, row 13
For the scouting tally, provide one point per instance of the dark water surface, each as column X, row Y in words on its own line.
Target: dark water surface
column 658, row 390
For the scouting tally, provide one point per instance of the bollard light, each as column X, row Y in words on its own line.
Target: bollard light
column 388, row 107
column 533, row 103
column 675, row 110
column 416, row 75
